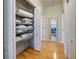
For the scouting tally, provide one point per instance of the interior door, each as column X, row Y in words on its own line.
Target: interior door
column 71, row 14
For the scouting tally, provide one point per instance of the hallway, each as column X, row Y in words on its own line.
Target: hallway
column 49, row 50
column 27, row 29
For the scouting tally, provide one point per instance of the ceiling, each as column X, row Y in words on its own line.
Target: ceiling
column 51, row 2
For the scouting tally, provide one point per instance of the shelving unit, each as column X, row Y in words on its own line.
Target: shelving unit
column 21, row 28
column 24, row 36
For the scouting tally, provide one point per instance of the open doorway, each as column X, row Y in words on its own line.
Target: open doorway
column 53, row 27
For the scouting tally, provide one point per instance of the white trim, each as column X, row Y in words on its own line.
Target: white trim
column 37, row 29
column 9, row 34
column 14, row 27
column 60, row 42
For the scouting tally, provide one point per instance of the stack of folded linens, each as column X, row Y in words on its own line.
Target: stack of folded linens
column 26, row 36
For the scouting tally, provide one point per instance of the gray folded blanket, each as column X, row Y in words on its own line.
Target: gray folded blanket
column 21, row 29
column 26, row 36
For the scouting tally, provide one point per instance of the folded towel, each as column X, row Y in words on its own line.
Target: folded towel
column 23, row 13
column 18, row 38
column 27, row 20
column 20, row 27
column 26, row 36
column 18, row 22
column 23, row 29
column 27, row 23
column 30, row 27
column 19, row 31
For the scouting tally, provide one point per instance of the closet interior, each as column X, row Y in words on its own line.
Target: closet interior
column 24, row 25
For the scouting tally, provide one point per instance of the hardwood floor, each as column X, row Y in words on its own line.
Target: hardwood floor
column 49, row 50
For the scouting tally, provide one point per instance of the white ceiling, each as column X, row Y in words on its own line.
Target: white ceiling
column 51, row 2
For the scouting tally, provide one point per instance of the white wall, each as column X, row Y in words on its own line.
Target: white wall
column 59, row 28
column 52, row 12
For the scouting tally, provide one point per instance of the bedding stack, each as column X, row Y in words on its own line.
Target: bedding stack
column 24, row 25
column 24, row 13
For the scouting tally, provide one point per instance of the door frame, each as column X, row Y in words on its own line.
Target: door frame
column 56, row 27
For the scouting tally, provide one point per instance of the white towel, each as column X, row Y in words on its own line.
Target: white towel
column 23, row 13
column 27, row 20
column 27, row 23
column 18, row 22
column 18, row 38
column 19, row 31
column 20, row 27
column 30, row 27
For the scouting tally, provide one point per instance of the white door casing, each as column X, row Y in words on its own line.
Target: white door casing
column 62, row 28
column 9, row 29
column 37, row 29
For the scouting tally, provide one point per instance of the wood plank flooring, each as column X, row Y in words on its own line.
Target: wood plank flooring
column 49, row 50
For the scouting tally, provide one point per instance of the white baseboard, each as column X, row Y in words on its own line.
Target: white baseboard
column 61, row 42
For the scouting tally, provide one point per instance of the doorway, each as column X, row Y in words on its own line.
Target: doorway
column 53, row 27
